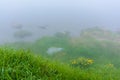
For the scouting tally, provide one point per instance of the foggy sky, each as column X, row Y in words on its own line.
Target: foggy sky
column 58, row 15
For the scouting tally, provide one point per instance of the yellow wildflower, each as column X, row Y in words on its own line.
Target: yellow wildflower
column 90, row 61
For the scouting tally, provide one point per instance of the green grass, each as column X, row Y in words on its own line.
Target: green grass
column 18, row 64
column 23, row 65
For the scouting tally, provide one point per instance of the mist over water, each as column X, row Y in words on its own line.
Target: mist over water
column 56, row 16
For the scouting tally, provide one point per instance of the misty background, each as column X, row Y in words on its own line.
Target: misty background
column 56, row 16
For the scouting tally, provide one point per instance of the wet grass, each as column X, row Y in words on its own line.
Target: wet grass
column 19, row 64
column 23, row 65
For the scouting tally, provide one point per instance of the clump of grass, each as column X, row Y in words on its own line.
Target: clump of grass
column 23, row 65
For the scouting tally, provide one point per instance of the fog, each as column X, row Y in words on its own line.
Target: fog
column 56, row 16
